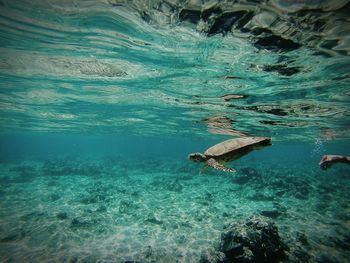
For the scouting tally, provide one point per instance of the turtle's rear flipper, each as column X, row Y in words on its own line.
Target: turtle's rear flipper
column 213, row 163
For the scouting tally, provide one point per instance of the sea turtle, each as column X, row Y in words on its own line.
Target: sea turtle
column 229, row 150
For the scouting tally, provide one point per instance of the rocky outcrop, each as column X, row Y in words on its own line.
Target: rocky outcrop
column 255, row 240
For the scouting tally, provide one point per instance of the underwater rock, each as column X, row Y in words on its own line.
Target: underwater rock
column 62, row 215
column 242, row 179
column 34, row 216
column 224, row 22
column 256, row 240
column 276, row 43
column 260, row 196
column 211, row 12
column 325, row 258
column 153, row 219
column 246, row 174
column 192, row 16
column 174, row 186
column 170, row 185
column 302, row 238
column 273, row 213
column 94, row 198
column 24, row 170
column 299, row 254
column 101, row 209
column 125, row 206
column 281, row 69
column 16, row 179
column 57, row 168
column 61, row 167
column 251, row 172
column 212, row 255
column 13, row 236
column 55, row 197
column 81, row 222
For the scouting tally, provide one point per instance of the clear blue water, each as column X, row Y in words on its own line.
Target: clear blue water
column 100, row 105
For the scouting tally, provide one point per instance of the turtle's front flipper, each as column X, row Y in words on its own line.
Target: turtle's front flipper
column 213, row 163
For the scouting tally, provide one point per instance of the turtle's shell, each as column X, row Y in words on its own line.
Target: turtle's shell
column 235, row 145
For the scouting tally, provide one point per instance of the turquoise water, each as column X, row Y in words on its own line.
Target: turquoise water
column 102, row 101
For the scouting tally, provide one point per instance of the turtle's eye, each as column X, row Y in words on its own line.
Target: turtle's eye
column 194, row 157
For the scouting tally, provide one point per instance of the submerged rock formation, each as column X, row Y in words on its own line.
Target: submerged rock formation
column 255, row 240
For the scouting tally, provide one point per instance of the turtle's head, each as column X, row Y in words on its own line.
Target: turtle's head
column 197, row 157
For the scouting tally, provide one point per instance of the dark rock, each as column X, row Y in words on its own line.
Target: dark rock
column 211, row 255
column 250, row 172
column 340, row 241
column 245, row 19
column 224, row 23
column 325, row 258
column 329, row 44
column 174, row 186
column 23, row 170
column 146, row 17
column 299, row 254
column 34, row 216
column 62, row 215
column 302, row 192
column 61, row 167
column 276, row 43
column 210, row 12
column 282, row 69
column 259, row 31
column 192, row 16
column 55, row 197
column 125, row 206
column 16, row 179
column 277, row 112
column 81, row 222
column 102, row 209
column 259, row 196
column 13, row 236
column 274, row 213
column 152, row 219
column 93, row 199
column 243, row 179
column 256, row 240
column 302, row 238
column 225, row 214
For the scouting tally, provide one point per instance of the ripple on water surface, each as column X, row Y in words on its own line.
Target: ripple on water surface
column 160, row 67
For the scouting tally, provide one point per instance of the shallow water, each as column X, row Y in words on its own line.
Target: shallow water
column 102, row 101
